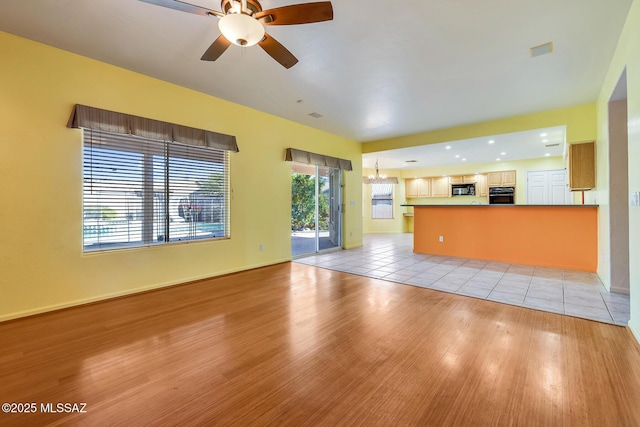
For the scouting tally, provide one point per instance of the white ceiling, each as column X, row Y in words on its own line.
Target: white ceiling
column 379, row 69
column 533, row 144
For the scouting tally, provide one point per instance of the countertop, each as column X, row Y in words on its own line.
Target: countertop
column 496, row 206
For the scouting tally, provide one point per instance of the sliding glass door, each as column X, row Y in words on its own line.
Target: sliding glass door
column 315, row 208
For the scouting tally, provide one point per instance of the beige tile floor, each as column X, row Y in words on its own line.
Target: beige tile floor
column 390, row 257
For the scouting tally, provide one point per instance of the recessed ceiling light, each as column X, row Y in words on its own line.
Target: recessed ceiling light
column 457, row 156
column 545, row 140
column 547, row 155
column 503, row 154
column 491, row 141
column 448, row 147
column 498, row 159
column 464, row 160
column 543, row 135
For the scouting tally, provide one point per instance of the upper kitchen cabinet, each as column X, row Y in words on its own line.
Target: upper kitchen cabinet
column 440, row 187
column 501, row 179
column 418, row 187
column 582, row 166
column 481, row 185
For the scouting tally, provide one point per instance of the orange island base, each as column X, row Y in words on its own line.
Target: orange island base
column 557, row 236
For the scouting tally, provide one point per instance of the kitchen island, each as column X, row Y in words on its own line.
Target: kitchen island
column 558, row 236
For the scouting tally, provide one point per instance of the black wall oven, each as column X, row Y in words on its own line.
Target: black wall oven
column 501, row 195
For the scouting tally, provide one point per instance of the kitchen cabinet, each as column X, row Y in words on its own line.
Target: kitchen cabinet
column 417, row 187
column 582, row 166
column 501, row 179
column 481, row 186
column 470, row 179
column 494, row 179
column 509, row 178
column 455, row 180
column 440, row 187
column 411, row 188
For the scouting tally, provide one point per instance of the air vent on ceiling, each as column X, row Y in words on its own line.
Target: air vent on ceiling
column 315, row 115
column 411, row 161
column 552, row 145
column 542, row 49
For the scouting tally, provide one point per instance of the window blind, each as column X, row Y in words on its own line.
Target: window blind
column 139, row 191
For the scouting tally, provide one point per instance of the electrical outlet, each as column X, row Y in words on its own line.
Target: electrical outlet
column 441, row 239
column 261, row 247
column 351, row 234
column 635, row 198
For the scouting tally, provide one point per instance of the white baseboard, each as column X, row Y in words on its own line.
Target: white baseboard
column 635, row 330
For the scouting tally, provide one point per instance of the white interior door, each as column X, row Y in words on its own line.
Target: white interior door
column 548, row 187
column 537, row 188
column 558, row 191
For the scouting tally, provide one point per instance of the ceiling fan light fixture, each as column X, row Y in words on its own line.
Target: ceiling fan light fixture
column 241, row 29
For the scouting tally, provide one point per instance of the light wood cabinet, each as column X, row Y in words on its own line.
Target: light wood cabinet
column 440, row 187
column 501, row 178
column 481, row 186
column 582, row 166
column 509, row 178
column 411, row 188
column 494, row 179
column 417, row 187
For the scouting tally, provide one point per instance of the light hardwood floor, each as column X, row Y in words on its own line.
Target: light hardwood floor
column 293, row 344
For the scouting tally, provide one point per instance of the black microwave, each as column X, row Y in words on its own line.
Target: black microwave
column 463, row 189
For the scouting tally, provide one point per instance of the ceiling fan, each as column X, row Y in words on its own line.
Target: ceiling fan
column 242, row 22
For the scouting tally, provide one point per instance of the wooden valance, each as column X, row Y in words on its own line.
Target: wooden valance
column 111, row 121
column 300, row 156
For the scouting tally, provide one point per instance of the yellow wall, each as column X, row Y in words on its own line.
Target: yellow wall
column 398, row 226
column 41, row 260
column 626, row 55
column 580, row 122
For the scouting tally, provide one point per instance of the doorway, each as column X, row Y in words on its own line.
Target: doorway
column 316, row 217
column 618, row 209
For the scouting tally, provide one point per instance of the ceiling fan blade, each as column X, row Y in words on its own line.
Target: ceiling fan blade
column 304, row 13
column 184, row 7
column 216, row 49
column 278, row 52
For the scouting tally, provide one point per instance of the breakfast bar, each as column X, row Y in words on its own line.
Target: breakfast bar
column 557, row 236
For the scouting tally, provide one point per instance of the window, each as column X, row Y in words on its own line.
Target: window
column 139, row 191
column 382, row 201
